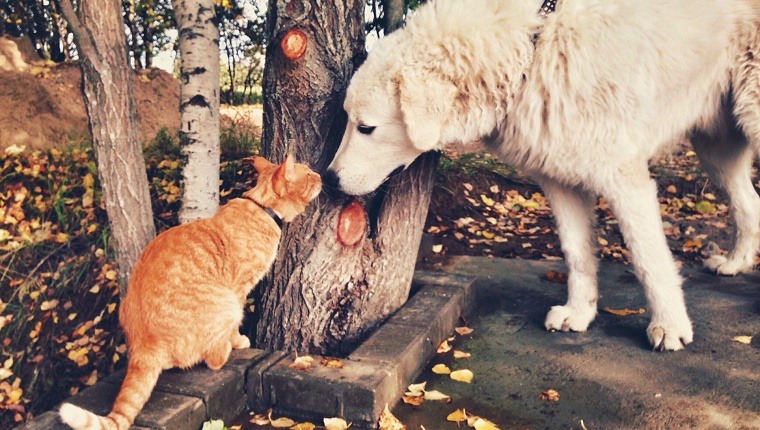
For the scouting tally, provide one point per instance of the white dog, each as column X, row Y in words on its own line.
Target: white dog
column 580, row 100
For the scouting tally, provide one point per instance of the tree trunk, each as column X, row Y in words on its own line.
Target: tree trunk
column 99, row 35
column 393, row 12
column 323, row 296
column 199, row 106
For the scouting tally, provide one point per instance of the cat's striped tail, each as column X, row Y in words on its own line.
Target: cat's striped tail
column 138, row 383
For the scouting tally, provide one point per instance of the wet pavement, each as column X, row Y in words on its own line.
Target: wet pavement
column 607, row 377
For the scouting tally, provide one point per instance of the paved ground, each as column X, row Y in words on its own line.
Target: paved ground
column 607, row 377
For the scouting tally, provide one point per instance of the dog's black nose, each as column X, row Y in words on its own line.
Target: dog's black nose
column 331, row 180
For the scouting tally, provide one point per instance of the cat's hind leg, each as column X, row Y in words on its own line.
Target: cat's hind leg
column 218, row 354
column 239, row 341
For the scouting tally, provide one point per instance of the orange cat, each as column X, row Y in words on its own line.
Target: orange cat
column 186, row 294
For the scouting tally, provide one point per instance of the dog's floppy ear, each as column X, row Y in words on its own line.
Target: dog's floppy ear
column 425, row 99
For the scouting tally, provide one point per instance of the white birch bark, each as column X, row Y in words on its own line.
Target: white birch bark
column 199, row 106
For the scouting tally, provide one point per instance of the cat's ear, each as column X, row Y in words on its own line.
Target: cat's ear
column 261, row 163
column 285, row 174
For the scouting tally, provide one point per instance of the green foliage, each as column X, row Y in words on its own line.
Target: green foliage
column 147, row 22
column 242, row 38
column 35, row 19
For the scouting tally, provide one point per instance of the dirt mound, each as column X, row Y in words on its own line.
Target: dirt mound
column 42, row 106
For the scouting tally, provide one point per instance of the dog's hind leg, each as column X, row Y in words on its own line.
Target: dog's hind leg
column 574, row 211
column 725, row 154
column 632, row 196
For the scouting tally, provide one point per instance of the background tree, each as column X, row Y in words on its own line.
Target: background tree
column 40, row 21
column 199, row 106
column 242, row 39
column 322, row 295
column 147, row 22
column 99, row 35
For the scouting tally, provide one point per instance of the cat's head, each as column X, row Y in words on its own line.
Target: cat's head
column 287, row 188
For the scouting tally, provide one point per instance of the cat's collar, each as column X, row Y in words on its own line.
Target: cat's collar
column 268, row 210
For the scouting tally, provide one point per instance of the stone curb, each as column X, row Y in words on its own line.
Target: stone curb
column 375, row 374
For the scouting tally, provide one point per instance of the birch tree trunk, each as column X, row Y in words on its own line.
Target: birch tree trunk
column 323, row 296
column 199, row 106
column 99, row 35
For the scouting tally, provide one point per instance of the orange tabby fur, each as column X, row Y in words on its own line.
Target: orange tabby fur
column 186, row 294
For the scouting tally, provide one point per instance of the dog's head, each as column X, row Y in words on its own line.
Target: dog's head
column 396, row 111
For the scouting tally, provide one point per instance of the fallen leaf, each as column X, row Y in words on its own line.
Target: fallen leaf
column 462, row 375
column 416, row 389
column 259, row 420
column 48, row 304
column 301, row 363
column 282, row 422
column 623, row 312
column 303, row 426
column 551, row 394
column 334, row 363
column 5, row 373
column 441, row 369
column 487, row 200
column 457, row 416
column 466, row 186
column 705, row 207
column 487, row 234
column 671, row 189
column 413, row 400
column 443, row 347
column 437, row 249
column 436, row 395
column 483, row 424
column 557, row 277
column 213, row 425
column 461, row 354
column 336, row 424
column 742, row 339
column 389, row 422
column 463, row 330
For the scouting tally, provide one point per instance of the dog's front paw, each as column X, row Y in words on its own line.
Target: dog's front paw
column 721, row 265
column 669, row 337
column 566, row 318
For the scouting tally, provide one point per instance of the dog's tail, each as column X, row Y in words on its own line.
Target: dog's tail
column 139, row 381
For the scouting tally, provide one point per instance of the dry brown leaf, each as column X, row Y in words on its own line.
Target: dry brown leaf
column 461, row 354
column 301, row 363
column 441, row 369
column 282, row 422
column 623, row 312
column 742, row 339
column 551, row 394
column 443, row 347
column 557, row 277
column 336, row 424
column 436, row 395
column 458, row 416
column 335, row 363
column 389, row 422
column 463, row 330
column 462, row 375
column 413, row 400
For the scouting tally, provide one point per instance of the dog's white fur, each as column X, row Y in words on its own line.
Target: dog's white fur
column 608, row 85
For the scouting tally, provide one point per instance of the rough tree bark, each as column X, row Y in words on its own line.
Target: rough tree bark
column 99, row 35
column 199, row 106
column 322, row 296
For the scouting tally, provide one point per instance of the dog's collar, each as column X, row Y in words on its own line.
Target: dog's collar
column 547, row 7
column 268, row 210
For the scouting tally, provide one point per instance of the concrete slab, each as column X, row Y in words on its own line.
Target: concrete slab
column 608, row 377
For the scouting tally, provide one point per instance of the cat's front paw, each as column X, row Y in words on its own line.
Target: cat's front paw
column 240, row 342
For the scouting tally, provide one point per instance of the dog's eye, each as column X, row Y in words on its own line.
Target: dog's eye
column 365, row 129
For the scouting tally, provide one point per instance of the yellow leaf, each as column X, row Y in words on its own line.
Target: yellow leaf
column 303, row 426
column 389, row 422
column 482, row 424
column 602, row 241
column 461, row 354
column 95, row 289
column 111, row 307
column 457, row 416
column 416, row 389
column 413, row 400
column 91, row 228
column 441, row 369
column 705, row 207
column 462, row 375
column 487, row 234
column 334, row 363
column 463, row 330
column 88, row 181
column 301, row 363
column 61, row 237
column 437, row 249
column 336, row 424
column 48, row 304
column 671, row 189
column 15, row 149
column 259, row 420
column 436, row 395
column 487, row 200
column 5, row 373
column 623, row 312
column 111, row 275
column 282, row 422
column 742, row 339
column 443, row 347
column 4, row 235
column 15, row 395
